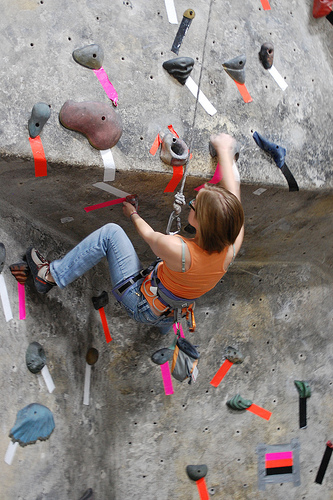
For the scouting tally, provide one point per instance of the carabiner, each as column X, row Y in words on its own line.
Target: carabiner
column 173, row 216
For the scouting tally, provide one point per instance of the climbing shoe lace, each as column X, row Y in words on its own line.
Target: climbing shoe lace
column 40, row 270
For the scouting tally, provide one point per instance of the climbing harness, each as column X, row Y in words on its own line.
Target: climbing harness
column 179, row 197
column 122, row 288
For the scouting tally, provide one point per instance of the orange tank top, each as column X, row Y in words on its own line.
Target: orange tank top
column 204, row 273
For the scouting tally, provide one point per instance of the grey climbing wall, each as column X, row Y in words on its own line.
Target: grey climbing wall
column 275, row 304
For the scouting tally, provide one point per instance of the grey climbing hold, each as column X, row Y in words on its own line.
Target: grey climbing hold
column 35, row 357
column 239, row 403
column 39, row 115
column 162, row 355
column 266, row 55
column 2, row 256
column 33, row 422
column 236, row 68
column 174, row 151
column 90, row 56
column 196, row 472
column 213, row 153
column 101, row 125
column 234, row 355
column 180, row 68
column 87, row 495
column 92, row 356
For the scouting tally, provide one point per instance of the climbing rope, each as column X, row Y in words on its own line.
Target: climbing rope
column 179, row 196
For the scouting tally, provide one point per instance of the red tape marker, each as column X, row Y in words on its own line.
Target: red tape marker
column 176, row 178
column 261, row 412
column 39, row 156
column 244, row 92
column 105, row 204
column 265, row 5
column 105, row 325
column 156, row 144
column 202, row 488
column 222, row 371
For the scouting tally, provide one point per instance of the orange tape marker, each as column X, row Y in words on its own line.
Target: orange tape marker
column 244, row 92
column 156, row 145
column 284, row 462
column 39, row 156
column 261, row 412
column 222, row 371
column 265, row 5
column 105, row 325
column 202, row 488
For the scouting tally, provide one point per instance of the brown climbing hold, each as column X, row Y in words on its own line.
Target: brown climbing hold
column 90, row 56
column 266, row 55
column 99, row 123
column 20, row 271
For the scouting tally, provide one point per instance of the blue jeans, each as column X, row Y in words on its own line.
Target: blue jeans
column 110, row 241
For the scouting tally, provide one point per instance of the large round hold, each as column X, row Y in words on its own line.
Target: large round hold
column 98, row 122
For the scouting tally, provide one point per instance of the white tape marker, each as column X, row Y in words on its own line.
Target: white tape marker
column 48, row 379
column 109, row 165
column 278, row 78
column 259, row 191
column 193, row 87
column 86, row 393
column 110, row 189
column 171, row 11
column 5, row 299
column 10, row 452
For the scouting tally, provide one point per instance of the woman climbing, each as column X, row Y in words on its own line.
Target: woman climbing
column 187, row 269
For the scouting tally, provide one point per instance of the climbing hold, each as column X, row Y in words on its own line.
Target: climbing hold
column 174, row 151
column 88, row 495
column 92, row 356
column 303, row 388
column 90, row 56
column 213, row 153
column 234, row 355
column 20, row 271
column 236, row 68
column 196, row 472
column 39, row 115
column 2, row 256
column 101, row 300
column 97, row 121
column 239, row 403
column 33, row 422
column 35, row 357
column 322, row 8
column 180, row 68
column 266, row 54
column 277, row 152
column 162, row 356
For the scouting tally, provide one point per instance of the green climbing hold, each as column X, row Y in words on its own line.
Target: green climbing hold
column 239, row 403
column 303, row 388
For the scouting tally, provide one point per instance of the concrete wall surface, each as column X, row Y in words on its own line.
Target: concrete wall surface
column 132, row 441
column 38, row 38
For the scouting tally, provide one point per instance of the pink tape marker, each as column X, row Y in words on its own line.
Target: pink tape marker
column 107, row 85
column 214, row 180
column 21, row 296
column 166, row 375
column 180, row 329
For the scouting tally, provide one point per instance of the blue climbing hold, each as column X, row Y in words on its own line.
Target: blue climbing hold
column 276, row 152
column 33, row 422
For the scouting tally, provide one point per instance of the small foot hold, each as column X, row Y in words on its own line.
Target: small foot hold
column 20, row 271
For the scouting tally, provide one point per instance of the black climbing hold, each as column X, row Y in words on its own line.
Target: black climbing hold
column 196, row 472
column 90, row 56
column 180, row 68
column 2, row 256
column 266, row 55
column 92, row 356
column 35, row 357
column 162, row 356
column 87, row 495
column 39, row 115
column 188, row 15
column 174, row 151
column 236, row 68
column 101, row 300
column 190, row 229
